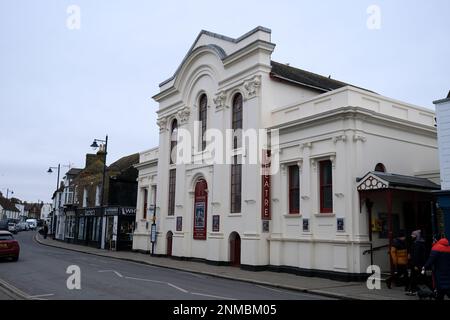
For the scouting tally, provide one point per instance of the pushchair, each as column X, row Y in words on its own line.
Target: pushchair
column 426, row 287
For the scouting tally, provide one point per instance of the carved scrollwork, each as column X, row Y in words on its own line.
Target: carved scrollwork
column 183, row 115
column 220, row 99
column 161, row 122
column 251, row 86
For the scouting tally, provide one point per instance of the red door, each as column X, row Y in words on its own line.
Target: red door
column 169, row 243
column 200, row 209
column 235, row 249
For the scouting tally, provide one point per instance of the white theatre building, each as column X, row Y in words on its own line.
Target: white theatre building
column 351, row 168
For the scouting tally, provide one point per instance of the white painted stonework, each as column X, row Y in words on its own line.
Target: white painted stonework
column 443, row 129
column 354, row 128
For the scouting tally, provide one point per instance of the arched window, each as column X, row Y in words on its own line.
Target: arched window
column 236, row 166
column 236, row 122
column 202, row 117
column 172, row 172
column 380, row 167
column 173, row 141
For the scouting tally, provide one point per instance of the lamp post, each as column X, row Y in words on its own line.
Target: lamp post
column 8, row 191
column 94, row 145
column 51, row 171
column 52, row 221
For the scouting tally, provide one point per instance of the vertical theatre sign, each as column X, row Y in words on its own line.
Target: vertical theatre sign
column 265, row 173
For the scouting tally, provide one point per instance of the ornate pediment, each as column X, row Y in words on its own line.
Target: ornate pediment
column 372, row 182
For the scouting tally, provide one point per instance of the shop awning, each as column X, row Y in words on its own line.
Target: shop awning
column 375, row 180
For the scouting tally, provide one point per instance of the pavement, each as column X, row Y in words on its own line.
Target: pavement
column 267, row 279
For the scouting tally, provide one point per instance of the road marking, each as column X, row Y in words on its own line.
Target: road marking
column 178, row 288
column 212, row 296
column 148, row 280
column 117, row 273
column 14, row 290
column 157, row 281
column 268, row 288
column 39, row 296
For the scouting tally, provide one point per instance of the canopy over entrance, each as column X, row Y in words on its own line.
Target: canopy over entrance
column 381, row 180
column 411, row 197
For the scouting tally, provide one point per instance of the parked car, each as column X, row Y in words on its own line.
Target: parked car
column 12, row 227
column 32, row 223
column 23, row 226
column 9, row 247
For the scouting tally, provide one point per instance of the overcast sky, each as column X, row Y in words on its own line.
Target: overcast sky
column 61, row 88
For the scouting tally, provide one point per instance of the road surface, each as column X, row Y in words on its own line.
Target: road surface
column 41, row 274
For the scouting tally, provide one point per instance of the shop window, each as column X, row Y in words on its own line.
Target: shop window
column 326, row 186
column 172, row 183
column 81, row 233
column 294, row 190
column 202, row 117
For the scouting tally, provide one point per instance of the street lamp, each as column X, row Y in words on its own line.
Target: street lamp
column 51, row 171
column 94, row 146
column 8, row 191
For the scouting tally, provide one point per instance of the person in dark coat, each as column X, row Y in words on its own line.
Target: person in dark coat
column 45, row 230
column 399, row 258
column 439, row 262
column 417, row 260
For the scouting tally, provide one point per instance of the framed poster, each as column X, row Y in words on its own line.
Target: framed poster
column 384, row 225
column 305, row 225
column 265, row 226
column 340, row 224
column 200, row 215
column 216, row 223
column 199, row 221
column 179, row 223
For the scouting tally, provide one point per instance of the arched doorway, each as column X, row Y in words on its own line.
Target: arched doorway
column 169, row 238
column 200, row 209
column 235, row 249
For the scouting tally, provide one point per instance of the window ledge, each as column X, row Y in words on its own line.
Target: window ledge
column 292, row 215
column 235, row 215
column 170, row 217
column 326, row 215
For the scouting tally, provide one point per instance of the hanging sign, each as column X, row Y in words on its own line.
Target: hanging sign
column 265, row 173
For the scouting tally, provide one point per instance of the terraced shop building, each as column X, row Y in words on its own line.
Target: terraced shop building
column 88, row 222
column 349, row 167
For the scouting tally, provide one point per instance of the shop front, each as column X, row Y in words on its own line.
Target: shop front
column 70, row 225
column 119, row 227
column 89, row 225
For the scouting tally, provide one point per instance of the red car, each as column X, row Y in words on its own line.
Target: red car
column 9, row 247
